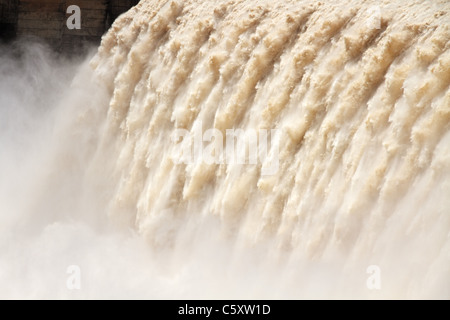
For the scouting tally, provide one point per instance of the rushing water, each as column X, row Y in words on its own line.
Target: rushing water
column 357, row 93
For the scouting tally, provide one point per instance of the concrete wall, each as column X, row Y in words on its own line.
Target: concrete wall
column 8, row 18
column 46, row 19
column 117, row 7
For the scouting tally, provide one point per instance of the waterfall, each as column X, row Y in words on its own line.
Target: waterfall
column 251, row 149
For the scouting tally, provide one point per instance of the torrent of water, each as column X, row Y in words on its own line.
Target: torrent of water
column 359, row 94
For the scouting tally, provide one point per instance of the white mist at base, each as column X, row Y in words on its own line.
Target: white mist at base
column 87, row 179
column 49, row 221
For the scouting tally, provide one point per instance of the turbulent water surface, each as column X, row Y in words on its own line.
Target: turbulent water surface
column 358, row 93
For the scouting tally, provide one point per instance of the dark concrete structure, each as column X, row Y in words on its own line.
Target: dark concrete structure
column 47, row 19
column 8, row 18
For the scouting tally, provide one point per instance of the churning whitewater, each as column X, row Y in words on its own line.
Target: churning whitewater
column 357, row 96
